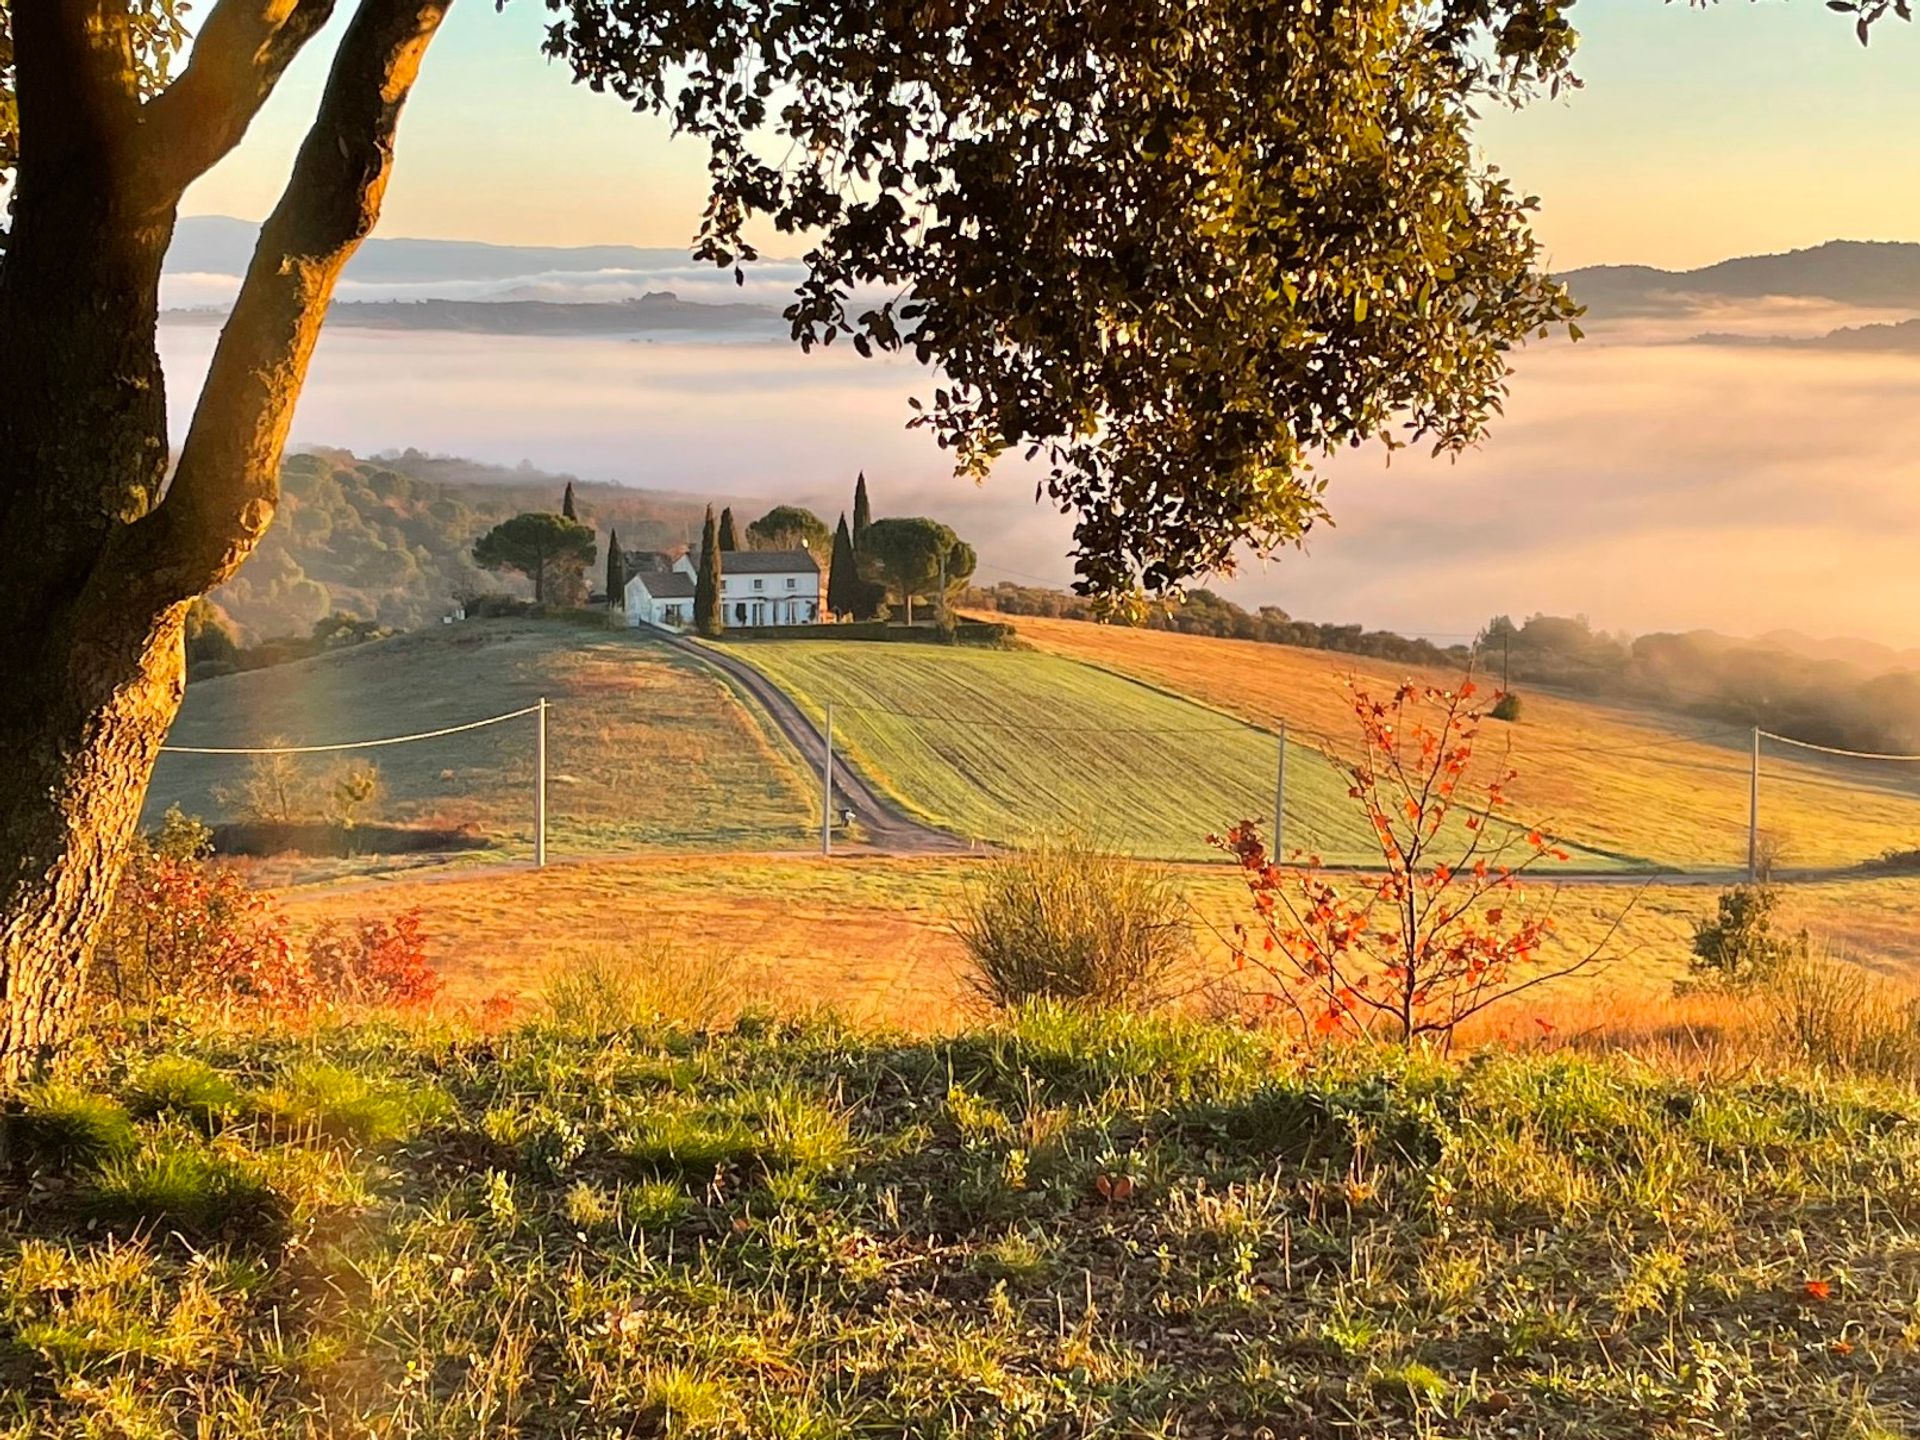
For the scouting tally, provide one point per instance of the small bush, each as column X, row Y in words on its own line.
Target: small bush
column 1064, row 919
column 184, row 930
column 375, row 962
column 1822, row 1010
column 1507, row 707
column 603, row 992
column 1738, row 948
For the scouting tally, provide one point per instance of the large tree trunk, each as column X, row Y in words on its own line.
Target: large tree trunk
column 101, row 566
column 89, row 704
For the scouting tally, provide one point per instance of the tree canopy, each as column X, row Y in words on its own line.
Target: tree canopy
column 1175, row 253
column 906, row 555
column 729, row 538
column 536, row 544
column 788, row 527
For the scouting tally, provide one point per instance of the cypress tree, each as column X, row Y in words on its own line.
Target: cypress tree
column 709, row 615
column 729, row 537
column 616, row 573
column 862, row 510
column 843, row 577
column 566, row 503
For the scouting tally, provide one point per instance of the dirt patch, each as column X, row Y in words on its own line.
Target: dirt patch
column 321, row 837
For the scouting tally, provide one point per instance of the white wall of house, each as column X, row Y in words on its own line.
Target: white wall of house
column 666, row 612
column 785, row 596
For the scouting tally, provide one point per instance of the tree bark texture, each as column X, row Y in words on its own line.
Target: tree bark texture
column 106, row 551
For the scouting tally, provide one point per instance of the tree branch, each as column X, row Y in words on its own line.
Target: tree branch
column 227, row 483
column 238, row 57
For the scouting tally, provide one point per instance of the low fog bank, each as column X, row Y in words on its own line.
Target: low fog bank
column 1648, row 485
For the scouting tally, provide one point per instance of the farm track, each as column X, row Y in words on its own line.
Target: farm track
column 888, row 828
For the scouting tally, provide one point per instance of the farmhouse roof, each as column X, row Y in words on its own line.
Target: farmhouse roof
column 769, row 562
column 666, row 584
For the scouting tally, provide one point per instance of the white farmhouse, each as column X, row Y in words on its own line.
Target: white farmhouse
column 757, row 587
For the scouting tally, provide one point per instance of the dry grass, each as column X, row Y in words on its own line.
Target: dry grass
column 874, row 936
column 645, row 747
column 1619, row 779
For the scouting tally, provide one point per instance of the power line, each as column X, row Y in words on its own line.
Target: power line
column 348, row 745
column 1834, row 750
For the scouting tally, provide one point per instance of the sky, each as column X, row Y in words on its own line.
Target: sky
column 1646, row 484
column 1747, row 126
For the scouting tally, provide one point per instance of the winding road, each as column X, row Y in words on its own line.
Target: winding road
column 887, row 827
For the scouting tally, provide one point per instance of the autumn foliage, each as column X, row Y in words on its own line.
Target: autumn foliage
column 1442, row 930
column 186, row 930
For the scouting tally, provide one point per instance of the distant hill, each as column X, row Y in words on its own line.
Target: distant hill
column 1901, row 336
column 390, row 539
column 221, row 245
column 659, row 313
column 1854, row 272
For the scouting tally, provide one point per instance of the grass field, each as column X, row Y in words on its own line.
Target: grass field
column 1055, row 1227
column 1620, row 779
column 645, row 748
column 998, row 745
column 872, row 937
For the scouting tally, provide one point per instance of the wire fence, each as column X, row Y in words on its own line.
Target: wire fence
column 1699, row 802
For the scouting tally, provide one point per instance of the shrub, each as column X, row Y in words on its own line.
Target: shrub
column 1507, row 707
column 374, row 962
column 1738, row 948
column 1066, row 919
column 603, row 992
column 1440, row 933
column 1822, row 1010
column 185, row 930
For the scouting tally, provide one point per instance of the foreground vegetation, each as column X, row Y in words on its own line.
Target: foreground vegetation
column 607, row 1223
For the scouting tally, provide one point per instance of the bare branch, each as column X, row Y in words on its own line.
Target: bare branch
column 227, row 484
column 238, row 57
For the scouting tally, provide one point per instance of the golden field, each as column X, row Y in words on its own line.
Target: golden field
column 872, row 937
column 1620, row 779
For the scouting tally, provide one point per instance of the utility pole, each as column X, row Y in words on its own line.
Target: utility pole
column 826, row 787
column 1280, row 799
column 1753, row 813
column 941, row 614
column 1506, row 637
column 540, row 786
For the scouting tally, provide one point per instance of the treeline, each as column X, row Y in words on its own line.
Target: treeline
column 1827, row 702
column 390, row 541
column 1701, row 673
column 1202, row 612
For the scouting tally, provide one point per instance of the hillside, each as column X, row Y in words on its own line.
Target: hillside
column 390, row 539
column 1620, row 779
column 1857, row 272
column 646, row 749
column 1001, row 745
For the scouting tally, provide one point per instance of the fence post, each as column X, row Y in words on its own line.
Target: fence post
column 826, row 787
column 1753, row 812
column 1280, row 799
column 540, row 786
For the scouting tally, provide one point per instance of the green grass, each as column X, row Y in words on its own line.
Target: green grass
column 646, row 748
column 1001, row 745
column 897, row 1236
